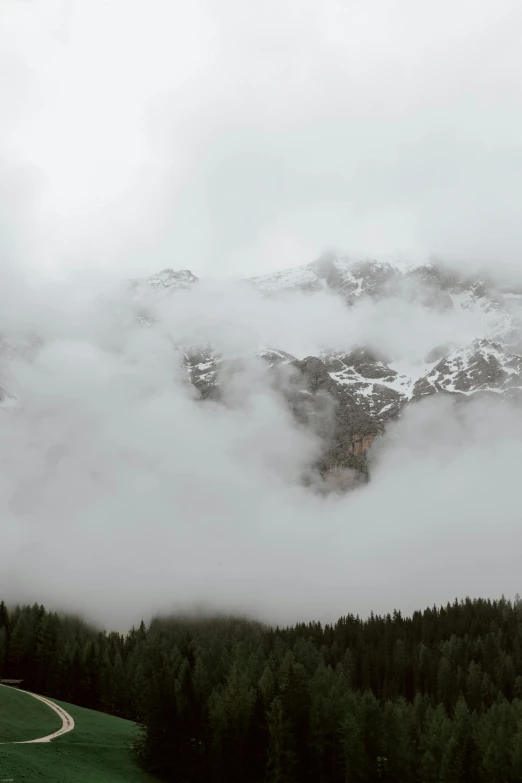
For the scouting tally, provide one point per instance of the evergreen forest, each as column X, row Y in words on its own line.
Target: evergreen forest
column 435, row 697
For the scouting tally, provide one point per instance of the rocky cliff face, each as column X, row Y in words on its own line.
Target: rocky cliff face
column 315, row 399
column 363, row 386
column 321, row 403
column 347, row 398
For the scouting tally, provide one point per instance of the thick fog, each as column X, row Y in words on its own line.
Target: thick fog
column 137, row 136
column 123, row 494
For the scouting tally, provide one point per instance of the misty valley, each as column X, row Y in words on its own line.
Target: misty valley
column 260, row 391
column 237, row 455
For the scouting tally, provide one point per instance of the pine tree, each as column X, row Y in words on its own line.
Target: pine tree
column 445, row 684
column 328, row 704
column 474, row 693
column 371, row 727
column 20, row 647
column 462, row 761
column 516, row 757
column 354, row 761
column 4, row 616
column 3, row 650
column 429, row 768
column 281, row 756
column 434, row 740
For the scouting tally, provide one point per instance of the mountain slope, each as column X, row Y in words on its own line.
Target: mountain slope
column 24, row 718
column 481, row 366
column 98, row 749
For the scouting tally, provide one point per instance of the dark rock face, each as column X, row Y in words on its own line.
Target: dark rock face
column 377, row 279
column 324, row 406
column 378, row 390
column 316, row 400
column 347, row 398
column 366, row 363
column 202, row 366
column 355, row 422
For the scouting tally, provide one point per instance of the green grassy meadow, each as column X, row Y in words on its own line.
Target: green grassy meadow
column 96, row 750
column 24, row 718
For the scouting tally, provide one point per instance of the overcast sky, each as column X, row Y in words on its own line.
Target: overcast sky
column 235, row 138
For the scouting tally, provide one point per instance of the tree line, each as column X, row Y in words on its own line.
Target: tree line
column 435, row 697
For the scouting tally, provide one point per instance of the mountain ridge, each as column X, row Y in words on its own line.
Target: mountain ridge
column 367, row 389
column 364, row 388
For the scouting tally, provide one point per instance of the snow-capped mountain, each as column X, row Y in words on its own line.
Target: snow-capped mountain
column 481, row 366
column 349, row 279
column 377, row 388
column 348, row 396
column 429, row 284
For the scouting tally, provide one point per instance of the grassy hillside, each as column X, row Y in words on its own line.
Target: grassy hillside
column 24, row 718
column 96, row 750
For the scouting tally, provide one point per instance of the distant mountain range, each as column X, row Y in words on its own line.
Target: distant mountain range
column 361, row 390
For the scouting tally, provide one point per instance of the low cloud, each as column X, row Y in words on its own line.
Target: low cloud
column 123, row 494
column 233, row 144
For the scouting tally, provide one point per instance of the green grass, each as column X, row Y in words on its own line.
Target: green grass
column 95, row 751
column 24, row 718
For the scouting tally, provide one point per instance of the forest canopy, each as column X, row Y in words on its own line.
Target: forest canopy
column 432, row 697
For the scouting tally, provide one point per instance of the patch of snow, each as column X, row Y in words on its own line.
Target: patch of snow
column 287, row 279
column 409, row 373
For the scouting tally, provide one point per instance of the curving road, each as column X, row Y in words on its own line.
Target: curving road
column 67, row 721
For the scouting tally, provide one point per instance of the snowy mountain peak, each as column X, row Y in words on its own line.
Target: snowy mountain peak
column 342, row 275
column 358, row 387
column 483, row 365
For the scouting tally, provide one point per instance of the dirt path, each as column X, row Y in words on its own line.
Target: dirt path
column 67, row 721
